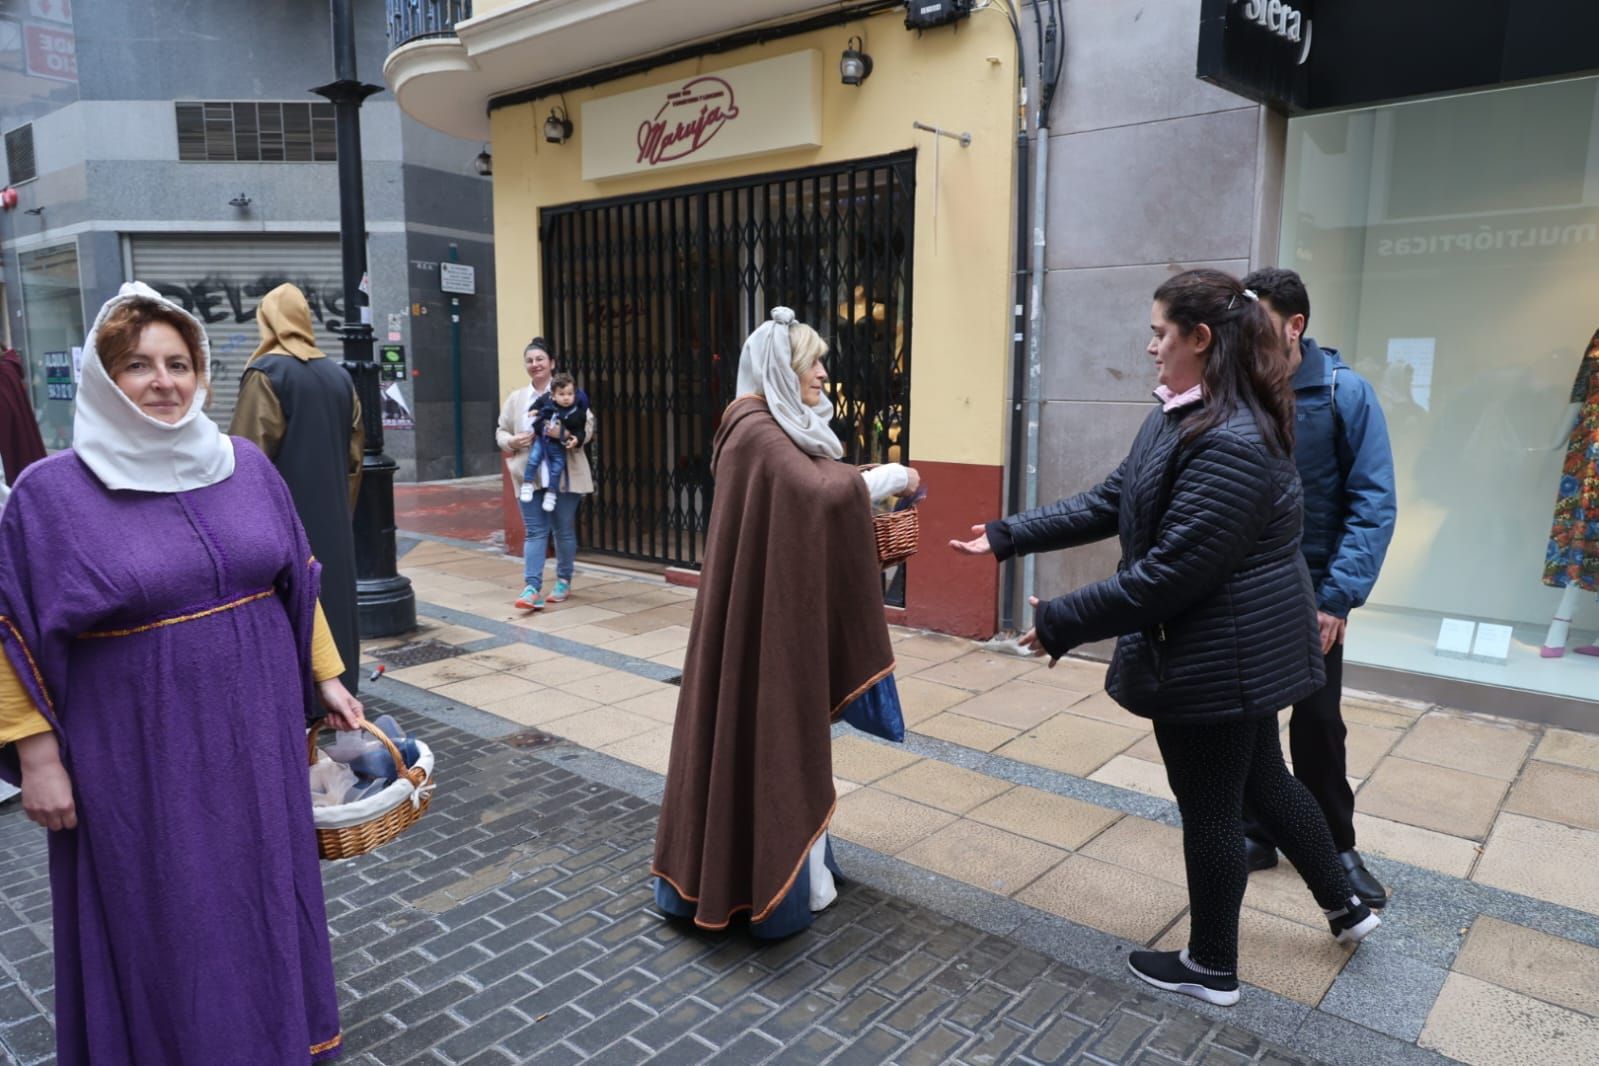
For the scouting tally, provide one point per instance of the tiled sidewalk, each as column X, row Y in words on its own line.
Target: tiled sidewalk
column 1031, row 789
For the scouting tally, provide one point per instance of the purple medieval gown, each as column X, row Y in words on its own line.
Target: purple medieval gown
column 167, row 639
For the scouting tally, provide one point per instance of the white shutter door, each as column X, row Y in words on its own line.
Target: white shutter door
column 222, row 279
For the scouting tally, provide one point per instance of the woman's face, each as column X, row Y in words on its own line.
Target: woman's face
column 1179, row 357
column 536, row 361
column 811, row 382
column 160, row 376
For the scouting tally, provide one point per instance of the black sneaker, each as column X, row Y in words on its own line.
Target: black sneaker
column 1367, row 887
column 1171, row 970
column 1351, row 924
column 1261, row 855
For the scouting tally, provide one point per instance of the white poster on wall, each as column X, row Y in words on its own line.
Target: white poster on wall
column 1417, row 353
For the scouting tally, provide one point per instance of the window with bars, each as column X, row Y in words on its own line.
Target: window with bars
column 256, row 132
column 20, row 164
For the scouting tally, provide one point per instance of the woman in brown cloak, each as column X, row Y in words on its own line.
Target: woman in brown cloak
column 788, row 634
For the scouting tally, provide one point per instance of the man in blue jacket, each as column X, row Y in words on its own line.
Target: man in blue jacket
column 1347, row 468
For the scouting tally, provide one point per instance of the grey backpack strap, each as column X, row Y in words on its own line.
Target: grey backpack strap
column 1346, row 458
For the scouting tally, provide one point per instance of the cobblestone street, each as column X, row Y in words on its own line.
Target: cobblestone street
column 512, row 924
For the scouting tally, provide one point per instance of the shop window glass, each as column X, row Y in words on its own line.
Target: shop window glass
column 52, row 303
column 1449, row 247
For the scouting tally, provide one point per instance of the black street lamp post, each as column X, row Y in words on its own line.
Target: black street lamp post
column 387, row 604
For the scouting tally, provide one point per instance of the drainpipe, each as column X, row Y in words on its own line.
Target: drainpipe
column 1013, row 494
column 1035, row 322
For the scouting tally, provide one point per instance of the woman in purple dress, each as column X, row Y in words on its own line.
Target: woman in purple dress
column 163, row 651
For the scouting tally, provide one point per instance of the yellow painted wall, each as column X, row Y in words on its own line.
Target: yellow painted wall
column 962, row 79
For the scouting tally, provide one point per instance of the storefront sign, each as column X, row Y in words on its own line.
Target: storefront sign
column 52, row 53
column 1257, row 48
column 1365, row 51
column 769, row 106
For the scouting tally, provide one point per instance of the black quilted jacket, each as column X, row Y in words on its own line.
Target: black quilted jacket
column 1211, row 602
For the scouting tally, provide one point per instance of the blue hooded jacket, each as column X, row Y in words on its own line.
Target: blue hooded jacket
column 1347, row 469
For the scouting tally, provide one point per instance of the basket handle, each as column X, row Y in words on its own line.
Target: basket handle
column 413, row 774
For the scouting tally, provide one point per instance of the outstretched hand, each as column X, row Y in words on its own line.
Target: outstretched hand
column 1029, row 639
column 978, row 545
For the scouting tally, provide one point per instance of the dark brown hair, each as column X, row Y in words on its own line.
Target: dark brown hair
column 1282, row 288
column 561, row 381
column 1242, row 365
column 118, row 336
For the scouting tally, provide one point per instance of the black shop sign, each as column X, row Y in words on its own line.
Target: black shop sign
column 1310, row 55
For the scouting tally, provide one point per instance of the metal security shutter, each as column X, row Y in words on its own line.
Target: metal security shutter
column 222, row 279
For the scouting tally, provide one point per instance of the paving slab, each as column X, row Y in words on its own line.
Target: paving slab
column 1534, row 963
column 1484, row 1025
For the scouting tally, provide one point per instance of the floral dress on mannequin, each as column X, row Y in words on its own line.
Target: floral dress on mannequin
column 1572, row 559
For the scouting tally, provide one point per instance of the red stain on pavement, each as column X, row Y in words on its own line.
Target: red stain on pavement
column 468, row 509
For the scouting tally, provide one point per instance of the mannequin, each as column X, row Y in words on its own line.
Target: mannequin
column 1572, row 560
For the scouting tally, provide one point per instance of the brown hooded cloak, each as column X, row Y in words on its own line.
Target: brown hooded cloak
column 20, row 442
column 788, row 630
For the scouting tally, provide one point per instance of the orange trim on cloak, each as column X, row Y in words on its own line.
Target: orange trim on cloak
column 804, row 856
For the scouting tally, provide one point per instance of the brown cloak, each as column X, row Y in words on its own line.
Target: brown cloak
column 788, row 630
column 20, row 442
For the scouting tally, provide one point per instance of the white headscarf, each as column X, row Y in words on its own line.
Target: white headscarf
column 126, row 448
column 766, row 368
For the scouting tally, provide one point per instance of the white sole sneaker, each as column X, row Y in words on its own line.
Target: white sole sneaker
column 1186, row 988
column 1359, row 931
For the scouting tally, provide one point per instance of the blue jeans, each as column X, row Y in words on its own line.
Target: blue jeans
column 553, row 455
column 540, row 524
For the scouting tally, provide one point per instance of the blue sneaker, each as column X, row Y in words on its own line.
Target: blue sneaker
column 530, row 600
column 563, row 589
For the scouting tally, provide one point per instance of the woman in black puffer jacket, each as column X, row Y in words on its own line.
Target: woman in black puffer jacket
column 1212, row 607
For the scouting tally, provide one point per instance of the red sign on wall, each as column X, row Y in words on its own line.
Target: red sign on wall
column 688, row 119
column 52, row 53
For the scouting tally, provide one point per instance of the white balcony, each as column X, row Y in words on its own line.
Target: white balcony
column 447, row 82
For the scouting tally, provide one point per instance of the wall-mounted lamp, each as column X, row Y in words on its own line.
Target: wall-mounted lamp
column 484, row 163
column 240, row 201
column 855, row 66
column 558, row 127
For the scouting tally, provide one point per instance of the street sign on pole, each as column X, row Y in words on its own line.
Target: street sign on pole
column 458, row 278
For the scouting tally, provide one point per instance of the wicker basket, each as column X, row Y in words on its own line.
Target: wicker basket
column 897, row 533
column 404, row 802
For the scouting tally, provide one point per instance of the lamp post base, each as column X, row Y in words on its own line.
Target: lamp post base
column 386, row 607
column 385, row 601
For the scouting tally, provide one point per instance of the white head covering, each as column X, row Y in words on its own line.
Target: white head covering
column 126, row 448
column 766, row 368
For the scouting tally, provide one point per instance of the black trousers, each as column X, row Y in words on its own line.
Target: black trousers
column 1213, row 769
column 1316, row 740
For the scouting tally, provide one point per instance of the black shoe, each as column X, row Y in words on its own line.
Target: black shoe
column 1171, row 971
column 1261, row 855
column 1351, row 924
column 1367, row 887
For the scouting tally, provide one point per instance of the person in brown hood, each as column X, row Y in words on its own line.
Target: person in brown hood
column 20, row 442
column 300, row 408
column 788, row 636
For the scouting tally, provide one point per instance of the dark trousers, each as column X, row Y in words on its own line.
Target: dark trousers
column 1213, row 769
column 1316, row 736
